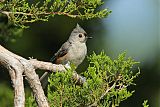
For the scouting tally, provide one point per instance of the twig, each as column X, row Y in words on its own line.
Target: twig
column 107, row 91
column 43, row 13
column 95, row 103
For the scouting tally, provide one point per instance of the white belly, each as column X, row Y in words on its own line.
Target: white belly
column 77, row 53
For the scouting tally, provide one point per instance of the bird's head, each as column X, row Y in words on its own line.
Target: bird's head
column 78, row 35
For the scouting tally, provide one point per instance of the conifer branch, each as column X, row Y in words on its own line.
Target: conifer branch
column 31, row 14
column 21, row 12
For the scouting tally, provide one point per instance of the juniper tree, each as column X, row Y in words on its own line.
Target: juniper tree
column 107, row 80
column 107, row 83
column 16, row 14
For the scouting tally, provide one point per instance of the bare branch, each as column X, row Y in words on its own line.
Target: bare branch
column 18, row 65
column 47, row 66
column 15, row 70
column 2, row 0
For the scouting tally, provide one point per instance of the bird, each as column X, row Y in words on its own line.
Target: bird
column 72, row 51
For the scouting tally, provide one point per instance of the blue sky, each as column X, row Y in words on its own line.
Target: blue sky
column 134, row 26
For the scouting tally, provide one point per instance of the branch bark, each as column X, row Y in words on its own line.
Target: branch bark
column 15, row 70
column 18, row 65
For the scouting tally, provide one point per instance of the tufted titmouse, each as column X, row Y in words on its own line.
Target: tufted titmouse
column 73, row 50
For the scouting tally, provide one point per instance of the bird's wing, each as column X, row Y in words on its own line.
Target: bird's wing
column 61, row 52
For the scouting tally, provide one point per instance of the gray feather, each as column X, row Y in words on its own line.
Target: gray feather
column 73, row 50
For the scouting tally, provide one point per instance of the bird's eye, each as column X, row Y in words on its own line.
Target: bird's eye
column 80, row 35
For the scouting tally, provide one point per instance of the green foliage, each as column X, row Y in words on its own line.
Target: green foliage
column 6, row 96
column 145, row 103
column 61, row 90
column 30, row 102
column 9, row 32
column 23, row 11
column 106, row 83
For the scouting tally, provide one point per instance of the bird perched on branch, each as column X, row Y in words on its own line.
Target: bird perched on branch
column 72, row 51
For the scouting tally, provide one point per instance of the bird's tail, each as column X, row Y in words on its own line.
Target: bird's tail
column 44, row 77
column 44, row 80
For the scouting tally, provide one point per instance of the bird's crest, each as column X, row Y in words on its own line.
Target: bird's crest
column 78, row 29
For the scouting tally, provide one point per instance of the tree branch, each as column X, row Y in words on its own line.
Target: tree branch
column 95, row 103
column 15, row 71
column 18, row 65
column 46, row 66
column 43, row 13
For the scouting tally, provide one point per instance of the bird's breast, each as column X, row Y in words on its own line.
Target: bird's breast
column 77, row 53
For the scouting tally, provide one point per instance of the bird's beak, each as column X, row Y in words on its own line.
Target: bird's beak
column 89, row 37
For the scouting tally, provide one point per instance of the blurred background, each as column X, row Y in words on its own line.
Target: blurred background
column 133, row 26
